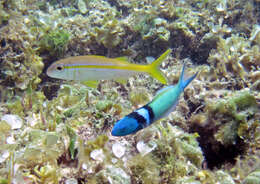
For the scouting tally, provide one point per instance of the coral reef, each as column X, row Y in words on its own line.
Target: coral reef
column 54, row 42
column 227, row 124
column 252, row 178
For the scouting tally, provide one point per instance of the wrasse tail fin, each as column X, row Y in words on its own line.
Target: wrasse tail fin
column 183, row 83
column 153, row 68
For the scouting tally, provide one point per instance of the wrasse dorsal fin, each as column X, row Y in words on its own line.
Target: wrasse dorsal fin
column 164, row 89
column 183, row 79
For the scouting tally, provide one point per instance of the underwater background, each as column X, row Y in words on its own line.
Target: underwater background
column 57, row 131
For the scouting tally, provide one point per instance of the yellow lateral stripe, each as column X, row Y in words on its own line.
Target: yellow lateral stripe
column 140, row 68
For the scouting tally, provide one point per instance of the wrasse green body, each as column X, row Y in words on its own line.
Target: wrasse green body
column 93, row 68
column 164, row 102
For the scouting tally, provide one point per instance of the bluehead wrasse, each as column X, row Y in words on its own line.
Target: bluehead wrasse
column 94, row 68
column 163, row 103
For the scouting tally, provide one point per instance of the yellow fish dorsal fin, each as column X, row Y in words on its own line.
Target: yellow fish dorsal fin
column 92, row 84
column 123, row 58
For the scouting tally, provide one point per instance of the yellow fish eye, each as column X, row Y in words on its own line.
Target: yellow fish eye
column 59, row 67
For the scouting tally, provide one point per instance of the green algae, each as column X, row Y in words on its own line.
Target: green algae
column 45, row 144
column 232, row 123
column 112, row 174
column 46, row 174
column 3, row 181
column 4, row 15
column 235, row 56
column 55, row 42
column 72, row 144
column 138, row 97
column 105, row 105
column 239, row 109
column 109, row 34
column 91, row 145
column 141, row 168
column 174, row 148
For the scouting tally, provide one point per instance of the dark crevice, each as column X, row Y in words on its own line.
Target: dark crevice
column 3, row 43
column 201, row 53
column 123, row 9
column 50, row 91
column 65, row 159
column 216, row 154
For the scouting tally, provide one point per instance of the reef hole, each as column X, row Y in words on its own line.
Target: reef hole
column 216, row 154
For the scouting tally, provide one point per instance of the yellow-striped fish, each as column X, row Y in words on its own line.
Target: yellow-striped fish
column 94, row 68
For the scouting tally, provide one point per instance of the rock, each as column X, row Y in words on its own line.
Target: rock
column 118, row 150
column 71, row 181
column 225, row 178
column 10, row 140
column 253, row 178
column 145, row 148
column 82, row 6
column 13, row 120
column 113, row 175
column 4, row 155
column 97, row 155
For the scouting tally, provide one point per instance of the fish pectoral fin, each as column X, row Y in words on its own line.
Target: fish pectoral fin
column 92, row 84
column 121, row 81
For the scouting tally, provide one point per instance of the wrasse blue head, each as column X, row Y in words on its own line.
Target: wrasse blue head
column 125, row 126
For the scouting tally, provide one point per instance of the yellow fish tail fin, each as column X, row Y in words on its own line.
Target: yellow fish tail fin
column 153, row 68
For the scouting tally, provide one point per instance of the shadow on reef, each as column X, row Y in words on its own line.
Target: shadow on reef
column 196, row 48
column 122, row 8
column 226, row 128
column 217, row 154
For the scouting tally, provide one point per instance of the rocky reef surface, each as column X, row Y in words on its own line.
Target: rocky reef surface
column 54, row 131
